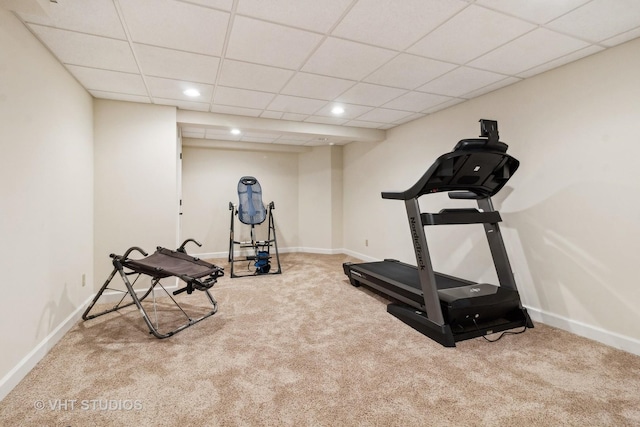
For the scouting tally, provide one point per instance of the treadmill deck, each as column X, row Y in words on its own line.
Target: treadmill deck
column 398, row 272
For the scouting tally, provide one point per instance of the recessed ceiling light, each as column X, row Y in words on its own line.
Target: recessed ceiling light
column 235, row 131
column 192, row 92
column 337, row 110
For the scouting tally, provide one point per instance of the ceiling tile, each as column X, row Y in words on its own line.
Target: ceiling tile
column 238, row 111
column 242, row 97
column 190, row 28
column 408, row 71
column 80, row 49
column 326, row 120
column 460, row 81
column 222, row 134
column 538, row 11
column 408, row 119
column 490, row 88
column 109, row 81
column 216, row 4
column 363, row 124
column 294, row 104
column 252, row 76
column 370, row 94
column 624, row 37
column 184, row 105
column 384, row 115
column 270, row 44
column 590, row 50
column 599, row 19
column 266, row 135
column 350, row 111
column 271, row 115
column 120, row 96
column 173, row 89
column 416, row 101
column 296, row 137
column 263, row 140
column 346, row 59
column 161, row 62
column 444, row 105
column 484, row 30
column 395, row 24
column 97, row 17
column 308, row 14
column 532, row 49
column 294, row 117
column 315, row 86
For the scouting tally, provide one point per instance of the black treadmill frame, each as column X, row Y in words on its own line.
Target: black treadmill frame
column 421, row 307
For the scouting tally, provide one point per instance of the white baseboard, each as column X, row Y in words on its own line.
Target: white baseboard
column 363, row 257
column 609, row 338
column 15, row 375
column 321, row 251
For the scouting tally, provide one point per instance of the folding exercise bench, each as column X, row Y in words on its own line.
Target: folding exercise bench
column 196, row 273
column 251, row 211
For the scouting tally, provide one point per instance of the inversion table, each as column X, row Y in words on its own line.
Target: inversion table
column 196, row 273
column 251, row 211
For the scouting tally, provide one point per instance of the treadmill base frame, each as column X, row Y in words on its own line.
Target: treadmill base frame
column 444, row 334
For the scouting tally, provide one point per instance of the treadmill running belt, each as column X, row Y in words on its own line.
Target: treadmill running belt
column 408, row 274
column 394, row 270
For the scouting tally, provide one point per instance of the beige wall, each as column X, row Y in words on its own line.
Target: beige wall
column 314, row 206
column 136, row 193
column 305, row 186
column 337, row 194
column 320, row 204
column 209, row 182
column 570, row 213
column 46, row 199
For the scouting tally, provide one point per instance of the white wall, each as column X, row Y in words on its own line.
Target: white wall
column 570, row 213
column 136, row 194
column 209, row 182
column 46, row 203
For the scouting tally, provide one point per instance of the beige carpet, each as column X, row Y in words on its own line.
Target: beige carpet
column 305, row 348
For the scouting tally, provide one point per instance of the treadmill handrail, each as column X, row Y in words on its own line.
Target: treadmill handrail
column 460, row 216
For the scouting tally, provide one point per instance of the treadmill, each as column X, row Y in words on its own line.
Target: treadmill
column 445, row 308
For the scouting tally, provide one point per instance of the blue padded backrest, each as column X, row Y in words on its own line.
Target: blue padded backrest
column 251, row 210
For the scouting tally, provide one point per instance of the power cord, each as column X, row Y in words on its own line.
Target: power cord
column 502, row 334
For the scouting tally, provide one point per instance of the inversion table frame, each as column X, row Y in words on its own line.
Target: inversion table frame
column 197, row 274
column 253, row 212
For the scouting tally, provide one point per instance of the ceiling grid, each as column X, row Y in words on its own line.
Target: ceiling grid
column 385, row 62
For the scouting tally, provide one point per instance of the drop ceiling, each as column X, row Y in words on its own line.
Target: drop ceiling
column 279, row 66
